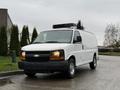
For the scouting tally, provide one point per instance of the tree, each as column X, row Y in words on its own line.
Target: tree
column 25, row 36
column 14, row 40
column 34, row 35
column 79, row 25
column 3, row 42
column 112, row 36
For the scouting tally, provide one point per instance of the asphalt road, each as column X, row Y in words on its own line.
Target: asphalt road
column 105, row 77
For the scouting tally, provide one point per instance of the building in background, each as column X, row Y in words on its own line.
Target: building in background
column 6, row 21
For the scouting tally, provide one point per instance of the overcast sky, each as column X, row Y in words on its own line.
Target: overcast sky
column 94, row 14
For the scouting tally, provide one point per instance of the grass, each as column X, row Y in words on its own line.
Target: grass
column 7, row 65
column 110, row 53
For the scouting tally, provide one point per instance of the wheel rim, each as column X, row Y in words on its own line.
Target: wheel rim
column 95, row 62
column 72, row 69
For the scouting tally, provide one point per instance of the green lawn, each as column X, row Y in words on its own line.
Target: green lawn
column 110, row 53
column 7, row 65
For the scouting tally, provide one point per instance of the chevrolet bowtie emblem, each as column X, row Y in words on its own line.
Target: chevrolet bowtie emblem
column 36, row 55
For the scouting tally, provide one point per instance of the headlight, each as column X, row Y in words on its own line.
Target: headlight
column 57, row 55
column 22, row 55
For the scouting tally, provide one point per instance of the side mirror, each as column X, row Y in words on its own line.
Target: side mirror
column 79, row 39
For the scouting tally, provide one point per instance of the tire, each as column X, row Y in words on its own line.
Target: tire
column 71, row 69
column 93, row 64
column 29, row 74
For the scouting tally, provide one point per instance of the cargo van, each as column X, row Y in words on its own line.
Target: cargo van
column 59, row 50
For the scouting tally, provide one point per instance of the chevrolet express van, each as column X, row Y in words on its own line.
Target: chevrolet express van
column 59, row 50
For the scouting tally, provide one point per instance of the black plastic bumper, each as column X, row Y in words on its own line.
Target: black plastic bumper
column 38, row 67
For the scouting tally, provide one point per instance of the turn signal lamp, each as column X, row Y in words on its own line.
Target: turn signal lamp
column 22, row 55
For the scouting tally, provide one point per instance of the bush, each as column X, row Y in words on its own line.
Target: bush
column 116, row 50
column 108, row 50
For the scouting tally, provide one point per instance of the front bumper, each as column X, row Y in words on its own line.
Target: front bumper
column 49, row 66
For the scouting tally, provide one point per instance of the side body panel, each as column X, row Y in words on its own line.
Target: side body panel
column 84, row 51
column 74, row 50
column 89, row 43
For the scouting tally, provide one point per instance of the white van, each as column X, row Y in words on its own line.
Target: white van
column 59, row 50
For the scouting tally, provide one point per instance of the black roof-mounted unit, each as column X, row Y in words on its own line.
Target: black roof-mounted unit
column 66, row 25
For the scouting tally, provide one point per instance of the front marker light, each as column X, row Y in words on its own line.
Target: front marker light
column 22, row 55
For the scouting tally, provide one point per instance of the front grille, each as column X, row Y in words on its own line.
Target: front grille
column 37, row 56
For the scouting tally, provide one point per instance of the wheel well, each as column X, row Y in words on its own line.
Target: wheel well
column 73, row 57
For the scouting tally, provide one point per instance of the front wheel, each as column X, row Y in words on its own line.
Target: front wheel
column 29, row 74
column 93, row 64
column 71, row 69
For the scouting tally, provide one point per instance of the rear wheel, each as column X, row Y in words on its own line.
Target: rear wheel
column 71, row 69
column 93, row 64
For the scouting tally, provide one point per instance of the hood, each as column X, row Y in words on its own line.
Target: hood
column 44, row 47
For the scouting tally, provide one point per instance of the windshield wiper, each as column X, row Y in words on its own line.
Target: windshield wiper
column 52, row 42
column 47, row 42
column 36, row 42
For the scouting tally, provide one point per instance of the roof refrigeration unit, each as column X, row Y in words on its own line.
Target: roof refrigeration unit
column 68, row 25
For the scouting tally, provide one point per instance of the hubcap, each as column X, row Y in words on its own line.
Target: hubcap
column 72, row 69
column 95, row 62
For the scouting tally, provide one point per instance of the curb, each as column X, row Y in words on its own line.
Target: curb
column 9, row 73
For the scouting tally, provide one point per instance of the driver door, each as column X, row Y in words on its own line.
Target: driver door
column 77, row 42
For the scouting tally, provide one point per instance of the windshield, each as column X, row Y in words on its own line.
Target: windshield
column 55, row 36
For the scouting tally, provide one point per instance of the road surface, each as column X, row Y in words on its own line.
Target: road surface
column 105, row 77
